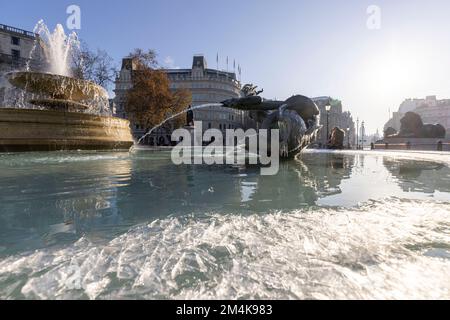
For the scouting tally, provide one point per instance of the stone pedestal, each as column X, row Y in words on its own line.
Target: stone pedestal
column 425, row 144
column 46, row 130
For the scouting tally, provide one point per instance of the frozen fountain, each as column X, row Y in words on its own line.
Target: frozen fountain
column 55, row 111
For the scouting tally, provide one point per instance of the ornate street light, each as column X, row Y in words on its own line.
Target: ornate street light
column 348, row 137
column 357, row 134
column 328, row 108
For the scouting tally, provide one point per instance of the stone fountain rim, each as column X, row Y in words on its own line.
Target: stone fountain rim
column 58, row 113
column 92, row 86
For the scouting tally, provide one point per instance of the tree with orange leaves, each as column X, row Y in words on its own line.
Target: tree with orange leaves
column 150, row 101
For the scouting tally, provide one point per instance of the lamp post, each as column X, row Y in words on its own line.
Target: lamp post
column 328, row 108
column 363, row 134
column 348, row 137
column 357, row 133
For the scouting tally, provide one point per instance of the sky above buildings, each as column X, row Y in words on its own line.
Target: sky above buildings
column 314, row 47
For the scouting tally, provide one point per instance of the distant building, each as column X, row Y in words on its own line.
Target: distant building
column 430, row 109
column 206, row 85
column 16, row 46
column 15, row 49
column 123, row 83
column 209, row 86
column 337, row 118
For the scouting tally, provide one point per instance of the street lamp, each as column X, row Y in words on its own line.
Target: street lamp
column 363, row 134
column 328, row 108
column 348, row 137
column 357, row 134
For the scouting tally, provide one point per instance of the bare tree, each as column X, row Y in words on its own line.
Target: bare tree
column 104, row 72
column 144, row 59
column 96, row 66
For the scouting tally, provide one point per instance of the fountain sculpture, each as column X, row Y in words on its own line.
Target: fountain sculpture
column 61, row 112
column 297, row 118
column 412, row 126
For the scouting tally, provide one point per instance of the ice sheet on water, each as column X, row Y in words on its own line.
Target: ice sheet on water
column 377, row 250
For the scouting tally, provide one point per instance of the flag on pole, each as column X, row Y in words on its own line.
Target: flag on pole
column 227, row 63
column 234, row 65
column 217, row 60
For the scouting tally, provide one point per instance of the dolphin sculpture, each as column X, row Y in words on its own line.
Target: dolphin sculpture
column 297, row 118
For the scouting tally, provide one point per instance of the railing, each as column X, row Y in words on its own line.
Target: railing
column 17, row 30
column 228, row 80
column 438, row 146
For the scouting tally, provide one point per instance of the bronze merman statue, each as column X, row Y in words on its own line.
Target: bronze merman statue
column 297, row 118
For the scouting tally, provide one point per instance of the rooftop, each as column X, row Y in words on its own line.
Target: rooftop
column 207, row 73
column 17, row 31
column 199, row 61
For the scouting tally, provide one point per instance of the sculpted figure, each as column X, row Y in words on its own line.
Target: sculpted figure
column 433, row 131
column 412, row 126
column 190, row 117
column 249, row 90
column 297, row 118
column 337, row 139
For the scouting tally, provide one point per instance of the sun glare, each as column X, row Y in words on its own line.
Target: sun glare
column 391, row 72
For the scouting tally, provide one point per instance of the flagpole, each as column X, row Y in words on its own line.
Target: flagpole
column 240, row 74
column 217, row 62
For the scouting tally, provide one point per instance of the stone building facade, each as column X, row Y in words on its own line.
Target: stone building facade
column 337, row 118
column 207, row 86
column 430, row 109
column 16, row 46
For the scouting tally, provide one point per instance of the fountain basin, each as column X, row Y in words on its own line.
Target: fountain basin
column 56, row 86
column 49, row 130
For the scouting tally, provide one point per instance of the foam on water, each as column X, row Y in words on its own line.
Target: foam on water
column 329, row 253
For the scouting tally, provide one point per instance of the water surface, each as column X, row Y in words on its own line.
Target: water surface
column 329, row 225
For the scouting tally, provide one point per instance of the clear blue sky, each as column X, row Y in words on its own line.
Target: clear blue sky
column 287, row 46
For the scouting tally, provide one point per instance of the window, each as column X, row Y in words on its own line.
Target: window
column 15, row 54
column 15, row 41
column 209, row 125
